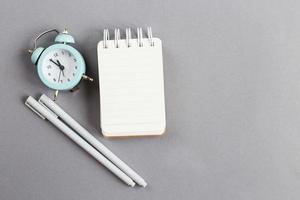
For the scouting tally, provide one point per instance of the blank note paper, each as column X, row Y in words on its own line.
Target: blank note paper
column 131, row 84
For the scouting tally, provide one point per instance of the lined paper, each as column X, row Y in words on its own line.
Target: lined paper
column 131, row 88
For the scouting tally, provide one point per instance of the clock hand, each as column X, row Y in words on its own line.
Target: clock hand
column 57, row 63
column 54, row 63
column 61, row 67
column 59, row 75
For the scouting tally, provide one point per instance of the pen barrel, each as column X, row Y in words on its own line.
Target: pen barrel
column 78, row 140
column 93, row 152
column 92, row 140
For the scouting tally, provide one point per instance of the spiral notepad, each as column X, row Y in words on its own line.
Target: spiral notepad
column 131, row 84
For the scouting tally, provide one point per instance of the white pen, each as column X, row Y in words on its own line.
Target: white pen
column 49, row 115
column 91, row 139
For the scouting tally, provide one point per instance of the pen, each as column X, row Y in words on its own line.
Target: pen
column 91, row 139
column 50, row 116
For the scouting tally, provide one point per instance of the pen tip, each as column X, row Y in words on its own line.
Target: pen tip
column 132, row 184
column 144, row 184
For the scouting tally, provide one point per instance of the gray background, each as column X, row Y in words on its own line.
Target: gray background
column 232, row 82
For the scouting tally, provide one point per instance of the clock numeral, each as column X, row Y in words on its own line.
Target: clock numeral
column 49, row 67
column 56, row 54
column 62, row 52
column 68, row 79
column 54, row 79
column 75, row 60
column 69, row 54
column 49, row 74
column 73, row 74
column 76, row 67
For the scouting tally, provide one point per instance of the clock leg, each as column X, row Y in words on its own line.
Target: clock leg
column 55, row 95
column 74, row 89
column 85, row 77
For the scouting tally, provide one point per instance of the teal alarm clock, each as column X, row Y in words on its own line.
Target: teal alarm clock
column 60, row 66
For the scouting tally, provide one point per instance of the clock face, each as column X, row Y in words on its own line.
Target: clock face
column 61, row 67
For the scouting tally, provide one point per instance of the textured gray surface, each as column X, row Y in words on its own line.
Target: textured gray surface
column 232, row 82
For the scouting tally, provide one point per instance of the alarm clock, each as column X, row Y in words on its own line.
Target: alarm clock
column 60, row 66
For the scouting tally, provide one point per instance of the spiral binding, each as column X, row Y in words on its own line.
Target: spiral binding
column 139, row 36
column 117, row 37
column 149, row 31
column 128, row 37
column 105, row 37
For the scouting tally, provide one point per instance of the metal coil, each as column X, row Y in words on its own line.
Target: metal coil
column 149, row 32
column 117, row 37
column 105, row 37
column 128, row 37
column 140, row 37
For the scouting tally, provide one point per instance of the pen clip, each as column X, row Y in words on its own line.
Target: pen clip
column 31, row 108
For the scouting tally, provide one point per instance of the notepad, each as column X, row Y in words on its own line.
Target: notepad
column 131, row 85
